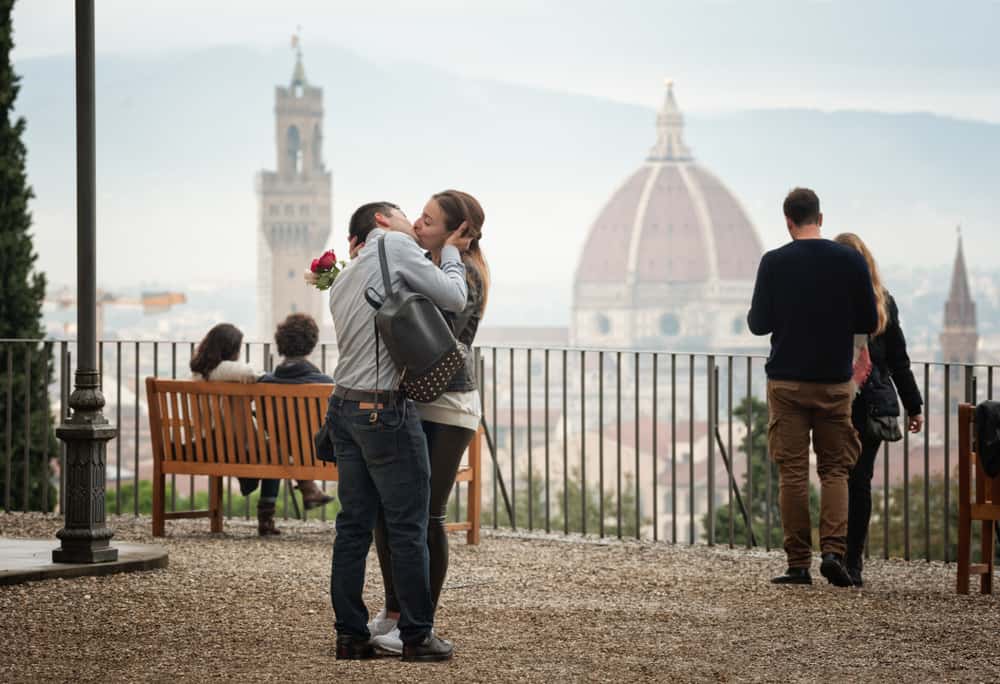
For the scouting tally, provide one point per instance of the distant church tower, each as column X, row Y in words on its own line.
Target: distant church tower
column 959, row 339
column 294, row 205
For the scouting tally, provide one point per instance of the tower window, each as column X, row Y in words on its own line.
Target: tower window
column 304, row 210
column 291, row 274
column 274, row 209
column 602, row 323
column 669, row 325
column 739, row 325
column 293, row 148
column 289, row 210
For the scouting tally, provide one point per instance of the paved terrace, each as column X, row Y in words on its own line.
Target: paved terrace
column 233, row 607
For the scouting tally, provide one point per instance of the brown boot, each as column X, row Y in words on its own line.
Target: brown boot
column 312, row 495
column 265, row 520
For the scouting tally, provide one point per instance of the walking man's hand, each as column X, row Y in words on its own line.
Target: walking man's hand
column 915, row 423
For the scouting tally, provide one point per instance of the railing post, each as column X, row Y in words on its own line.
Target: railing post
column 85, row 537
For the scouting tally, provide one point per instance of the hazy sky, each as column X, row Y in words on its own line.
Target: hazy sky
column 891, row 55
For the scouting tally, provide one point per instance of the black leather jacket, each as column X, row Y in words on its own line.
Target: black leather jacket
column 890, row 367
column 465, row 325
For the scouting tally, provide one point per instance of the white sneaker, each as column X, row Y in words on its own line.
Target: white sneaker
column 382, row 624
column 389, row 643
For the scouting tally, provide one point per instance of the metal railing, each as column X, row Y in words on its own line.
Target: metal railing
column 603, row 442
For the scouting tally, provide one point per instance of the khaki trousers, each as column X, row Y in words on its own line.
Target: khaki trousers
column 797, row 409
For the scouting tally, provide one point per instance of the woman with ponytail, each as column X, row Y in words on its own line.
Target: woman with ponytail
column 875, row 403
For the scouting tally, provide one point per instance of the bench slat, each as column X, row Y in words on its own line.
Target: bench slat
column 199, row 432
column 305, row 437
column 250, row 429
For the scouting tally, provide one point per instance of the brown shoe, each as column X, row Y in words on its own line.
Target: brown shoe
column 265, row 520
column 312, row 495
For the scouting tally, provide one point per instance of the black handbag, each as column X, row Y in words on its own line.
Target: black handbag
column 418, row 338
column 885, row 428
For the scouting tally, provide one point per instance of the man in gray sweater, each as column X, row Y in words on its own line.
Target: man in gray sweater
column 381, row 451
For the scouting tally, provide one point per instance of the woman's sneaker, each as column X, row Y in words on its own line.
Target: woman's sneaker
column 382, row 624
column 389, row 643
column 431, row 649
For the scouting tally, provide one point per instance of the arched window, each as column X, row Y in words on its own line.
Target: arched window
column 739, row 325
column 293, row 146
column 317, row 147
column 602, row 323
column 669, row 325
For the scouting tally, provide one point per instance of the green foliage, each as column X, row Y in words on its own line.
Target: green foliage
column 25, row 368
column 237, row 504
column 534, row 496
column 755, row 492
column 922, row 537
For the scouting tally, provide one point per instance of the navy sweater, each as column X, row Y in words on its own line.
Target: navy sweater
column 812, row 297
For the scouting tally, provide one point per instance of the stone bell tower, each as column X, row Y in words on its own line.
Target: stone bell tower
column 960, row 337
column 294, row 205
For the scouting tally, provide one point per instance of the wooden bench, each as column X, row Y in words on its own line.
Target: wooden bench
column 261, row 430
column 985, row 507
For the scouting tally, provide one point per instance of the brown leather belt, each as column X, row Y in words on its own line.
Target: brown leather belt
column 366, row 396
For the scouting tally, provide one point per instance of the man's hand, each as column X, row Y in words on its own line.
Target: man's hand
column 459, row 239
column 355, row 246
column 915, row 423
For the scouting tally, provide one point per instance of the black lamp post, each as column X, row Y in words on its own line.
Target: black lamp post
column 85, row 536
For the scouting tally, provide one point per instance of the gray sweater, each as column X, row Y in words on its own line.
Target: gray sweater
column 353, row 316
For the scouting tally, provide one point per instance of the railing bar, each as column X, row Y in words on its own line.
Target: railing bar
column 136, row 427
column 512, row 446
column 618, row 444
column 673, row 448
column 749, row 486
column 927, row 465
column 548, row 510
column 885, row 500
column 64, row 362
column 100, row 365
column 583, row 443
column 118, row 425
column 711, row 378
column 9, row 429
column 638, row 479
column 947, row 456
column 729, row 449
column 191, row 478
column 496, row 436
column 531, row 467
column 655, row 466
column 691, row 492
column 565, row 441
column 25, row 490
column 46, row 465
column 173, row 477
column 770, row 476
column 600, row 444
column 906, row 490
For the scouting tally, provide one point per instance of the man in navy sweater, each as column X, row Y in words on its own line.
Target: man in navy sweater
column 812, row 296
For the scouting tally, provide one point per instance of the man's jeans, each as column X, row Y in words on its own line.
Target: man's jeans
column 796, row 409
column 382, row 463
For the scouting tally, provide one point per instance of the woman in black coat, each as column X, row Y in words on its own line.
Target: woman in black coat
column 890, row 374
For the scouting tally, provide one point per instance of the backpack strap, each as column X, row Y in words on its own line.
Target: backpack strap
column 383, row 262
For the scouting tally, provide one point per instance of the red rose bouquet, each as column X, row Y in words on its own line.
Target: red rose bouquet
column 324, row 270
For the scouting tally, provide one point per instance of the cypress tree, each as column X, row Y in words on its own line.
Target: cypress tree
column 25, row 414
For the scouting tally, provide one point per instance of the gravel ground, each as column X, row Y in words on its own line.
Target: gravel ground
column 233, row 607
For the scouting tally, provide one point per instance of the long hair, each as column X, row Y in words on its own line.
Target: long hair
column 222, row 343
column 460, row 206
column 881, row 295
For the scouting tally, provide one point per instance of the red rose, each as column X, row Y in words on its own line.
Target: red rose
column 327, row 261
column 315, row 266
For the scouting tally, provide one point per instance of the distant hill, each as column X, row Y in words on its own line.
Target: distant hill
column 181, row 135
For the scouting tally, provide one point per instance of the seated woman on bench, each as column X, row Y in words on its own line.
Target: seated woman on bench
column 217, row 360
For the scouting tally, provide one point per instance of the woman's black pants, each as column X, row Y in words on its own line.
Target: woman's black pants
column 859, row 502
column 446, row 444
